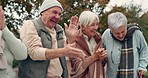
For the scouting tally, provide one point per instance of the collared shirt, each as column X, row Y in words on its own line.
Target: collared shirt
column 92, row 44
column 55, row 69
column 36, row 51
column 113, row 48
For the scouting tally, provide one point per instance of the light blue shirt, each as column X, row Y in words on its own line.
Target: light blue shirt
column 113, row 48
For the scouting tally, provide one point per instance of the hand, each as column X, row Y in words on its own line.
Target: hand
column 72, row 29
column 101, row 53
column 2, row 19
column 140, row 74
column 73, row 52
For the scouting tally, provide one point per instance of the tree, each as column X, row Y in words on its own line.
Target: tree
column 144, row 25
column 75, row 7
column 133, row 14
column 16, row 11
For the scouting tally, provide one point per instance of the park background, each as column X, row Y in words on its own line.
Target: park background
column 16, row 11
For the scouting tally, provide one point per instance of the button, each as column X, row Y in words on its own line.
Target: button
column 8, row 73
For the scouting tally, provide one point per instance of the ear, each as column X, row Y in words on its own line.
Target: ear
column 83, row 26
column 111, row 30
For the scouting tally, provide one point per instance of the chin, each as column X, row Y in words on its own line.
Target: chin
column 120, row 39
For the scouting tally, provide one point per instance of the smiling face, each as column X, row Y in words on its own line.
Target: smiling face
column 120, row 32
column 91, row 29
column 51, row 17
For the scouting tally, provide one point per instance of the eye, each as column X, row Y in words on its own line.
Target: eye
column 56, row 12
column 122, row 31
column 92, row 25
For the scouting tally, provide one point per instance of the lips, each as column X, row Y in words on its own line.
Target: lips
column 54, row 21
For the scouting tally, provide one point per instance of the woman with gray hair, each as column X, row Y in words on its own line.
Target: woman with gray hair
column 126, row 48
column 90, row 41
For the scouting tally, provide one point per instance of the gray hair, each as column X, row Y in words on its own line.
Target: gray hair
column 87, row 17
column 115, row 20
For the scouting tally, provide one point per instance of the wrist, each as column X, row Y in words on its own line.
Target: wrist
column 96, row 56
column 71, row 40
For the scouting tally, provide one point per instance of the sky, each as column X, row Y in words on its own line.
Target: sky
column 143, row 3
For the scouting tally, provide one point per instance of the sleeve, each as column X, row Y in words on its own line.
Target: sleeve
column 30, row 37
column 15, row 45
column 79, row 67
column 104, row 37
column 143, row 50
column 1, row 44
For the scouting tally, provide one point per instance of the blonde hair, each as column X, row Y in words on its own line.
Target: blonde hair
column 87, row 17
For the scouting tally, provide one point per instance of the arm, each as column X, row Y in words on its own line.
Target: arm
column 1, row 45
column 143, row 51
column 36, row 51
column 81, row 66
column 69, row 50
column 15, row 45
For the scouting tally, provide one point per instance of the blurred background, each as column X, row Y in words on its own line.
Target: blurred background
column 16, row 11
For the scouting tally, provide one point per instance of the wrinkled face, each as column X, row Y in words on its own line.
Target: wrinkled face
column 120, row 32
column 51, row 16
column 91, row 29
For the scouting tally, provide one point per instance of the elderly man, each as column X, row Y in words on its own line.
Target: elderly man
column 45, row 40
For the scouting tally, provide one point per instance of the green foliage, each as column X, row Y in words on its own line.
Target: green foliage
column 75, row 7
column 132, row 12
column 146, row 75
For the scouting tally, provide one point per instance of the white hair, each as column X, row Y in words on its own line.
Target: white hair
column 87, row 17
column 117, row 19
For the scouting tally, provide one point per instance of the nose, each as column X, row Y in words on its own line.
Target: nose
column 58, row 16
column 120, row 35
column 96, row 27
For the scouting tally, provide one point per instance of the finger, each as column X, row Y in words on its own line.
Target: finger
column 72, row 20
column 78, row 54
column 72, row 45
column 66, row 26
column 141, row 72
column 0, row 8
column 82, row 56
column 100, row 50
column 75, row 19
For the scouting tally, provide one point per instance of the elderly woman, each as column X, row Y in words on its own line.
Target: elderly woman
column 10, row 48
column 88, row 40
column 126, row 48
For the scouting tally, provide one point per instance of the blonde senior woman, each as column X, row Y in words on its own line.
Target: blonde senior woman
column 89, row 40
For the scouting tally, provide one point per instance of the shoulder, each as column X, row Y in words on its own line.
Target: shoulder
column 106, row 33
column 97, row 36
column 138, row 33
column 58, row 27
column 27, row 25
column 27, row 28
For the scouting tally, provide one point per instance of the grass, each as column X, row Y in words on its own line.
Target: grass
column 146, row 75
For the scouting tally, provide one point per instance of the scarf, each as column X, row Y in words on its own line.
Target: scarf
column 126, row 65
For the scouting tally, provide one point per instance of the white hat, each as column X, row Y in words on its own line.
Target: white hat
column 48, row 4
